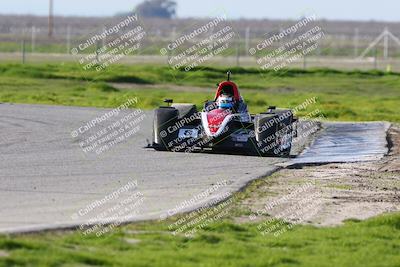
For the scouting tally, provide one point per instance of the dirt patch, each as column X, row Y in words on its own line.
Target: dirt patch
column 329, row 194
column 4, row 254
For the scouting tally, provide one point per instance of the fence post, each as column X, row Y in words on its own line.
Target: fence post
column 356, row 42
column 247, row 42
column 238, row 53
column 104, row 40
column 97, row 51
column 23, row 51
column 386, row 44
column 33, row 41
column 69, row 39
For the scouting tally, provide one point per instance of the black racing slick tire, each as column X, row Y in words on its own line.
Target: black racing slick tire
column 163, row 118
column 273, row 133
column 174, row 117
column 265, row 130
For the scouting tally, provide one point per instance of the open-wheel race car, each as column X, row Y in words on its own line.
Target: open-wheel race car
column 224, row 125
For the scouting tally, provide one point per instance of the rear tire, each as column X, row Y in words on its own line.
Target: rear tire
column 265, row 129
column 283, row 146
column 274, row 133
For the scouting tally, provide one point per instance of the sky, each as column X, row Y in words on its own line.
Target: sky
column 384, row 10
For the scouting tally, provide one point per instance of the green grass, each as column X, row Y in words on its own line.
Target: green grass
column 374, row 242
column 341, row 95
column 153, row 46
column 12, row 47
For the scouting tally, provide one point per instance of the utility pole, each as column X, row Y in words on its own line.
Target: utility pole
column 51, row 19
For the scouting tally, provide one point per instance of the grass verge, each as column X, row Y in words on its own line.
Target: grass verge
column 341, row 95
column 374, row 242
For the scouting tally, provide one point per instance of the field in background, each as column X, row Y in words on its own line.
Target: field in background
column 342, row 38
column 232, row 61
column 341, row 95
column 343, row 42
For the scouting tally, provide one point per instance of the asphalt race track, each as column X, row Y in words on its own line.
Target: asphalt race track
column 46, row 177
column 48, row 181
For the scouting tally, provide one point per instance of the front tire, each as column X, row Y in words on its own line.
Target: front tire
column 164, row 117
column 178, row 116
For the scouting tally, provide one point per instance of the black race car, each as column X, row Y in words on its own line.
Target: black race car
column 224, row 125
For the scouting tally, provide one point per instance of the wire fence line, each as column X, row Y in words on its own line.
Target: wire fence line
column 342, row 45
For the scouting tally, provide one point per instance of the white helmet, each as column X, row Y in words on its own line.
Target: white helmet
column 225, row 101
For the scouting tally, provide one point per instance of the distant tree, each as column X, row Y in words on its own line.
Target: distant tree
column 157, row 8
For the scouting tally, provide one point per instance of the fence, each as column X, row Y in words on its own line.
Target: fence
column 341, row 47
